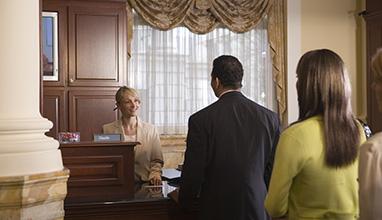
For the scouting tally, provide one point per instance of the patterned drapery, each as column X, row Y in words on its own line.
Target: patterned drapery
column 276, row 35
column 202, row 16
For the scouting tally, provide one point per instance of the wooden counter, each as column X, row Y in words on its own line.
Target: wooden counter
column 101, row 186
column 99, row 171
column 148, row 204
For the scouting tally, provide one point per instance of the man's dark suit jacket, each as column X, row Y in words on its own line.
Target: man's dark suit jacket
column 229, row 157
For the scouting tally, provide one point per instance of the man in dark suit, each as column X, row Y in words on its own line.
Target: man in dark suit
column 230, row 150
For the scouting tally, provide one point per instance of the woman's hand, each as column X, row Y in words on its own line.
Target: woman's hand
column 156, row 180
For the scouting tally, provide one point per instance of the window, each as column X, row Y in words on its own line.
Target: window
column 171, row 70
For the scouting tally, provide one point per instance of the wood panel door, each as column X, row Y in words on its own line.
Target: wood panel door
column 97, row 54
column 373, row 6
column 54, row 109
column 89, row 109
column 374, row 41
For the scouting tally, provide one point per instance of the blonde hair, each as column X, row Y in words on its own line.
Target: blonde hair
column 376, row 65
column 122, row 90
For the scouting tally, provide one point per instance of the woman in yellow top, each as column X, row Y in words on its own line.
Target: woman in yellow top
column 148, row 155
column 315, row 170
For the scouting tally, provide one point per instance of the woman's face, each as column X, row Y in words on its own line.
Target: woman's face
column 129, row 105
column 377, row 86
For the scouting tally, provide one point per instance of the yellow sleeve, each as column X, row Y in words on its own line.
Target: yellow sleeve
column 289, row 161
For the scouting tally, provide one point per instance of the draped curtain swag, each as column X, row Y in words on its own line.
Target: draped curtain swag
column 202, row 16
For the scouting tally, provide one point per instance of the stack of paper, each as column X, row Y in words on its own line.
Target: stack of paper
column 170, row 174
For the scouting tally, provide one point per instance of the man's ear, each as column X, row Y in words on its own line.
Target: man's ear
column 217, row 82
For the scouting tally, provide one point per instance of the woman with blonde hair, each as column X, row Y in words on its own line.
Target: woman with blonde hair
column 315, row 170
column 370, row 161
column 148, row 154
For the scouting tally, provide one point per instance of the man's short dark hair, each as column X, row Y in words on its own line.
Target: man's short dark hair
column 228, row 70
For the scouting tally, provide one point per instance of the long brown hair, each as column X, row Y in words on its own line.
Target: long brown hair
column 323, row 88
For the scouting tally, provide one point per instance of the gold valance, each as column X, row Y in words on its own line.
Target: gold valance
column 202, row 16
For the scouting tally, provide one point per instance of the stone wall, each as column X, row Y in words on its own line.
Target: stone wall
column 38, row 196
column 173, row 148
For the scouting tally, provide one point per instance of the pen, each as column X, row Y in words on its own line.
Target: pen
column 153, row 186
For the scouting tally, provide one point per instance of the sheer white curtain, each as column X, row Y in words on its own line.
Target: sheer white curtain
column 171, row 70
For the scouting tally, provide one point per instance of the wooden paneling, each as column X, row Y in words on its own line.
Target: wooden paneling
column 95, row 170
column 96, row 45
column 92, row 65
column 99, row 172
column 374, row 41
column 89, row 110
column 54, row 109
column 373, row 6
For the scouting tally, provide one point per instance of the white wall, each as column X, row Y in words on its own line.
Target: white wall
column 328, row 24
column 293, row 54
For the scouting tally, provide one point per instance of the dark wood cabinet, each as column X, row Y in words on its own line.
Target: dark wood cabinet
column 80, row 109
column 92, row 42
column 90, row 109
column 97, row 45
column 92, row 57
column 373, row 20
column 54, row 109
column 373, row 6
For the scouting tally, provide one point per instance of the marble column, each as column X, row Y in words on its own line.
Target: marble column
column 31, row 168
